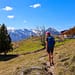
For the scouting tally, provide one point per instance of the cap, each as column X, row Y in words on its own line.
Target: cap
column 48, row 33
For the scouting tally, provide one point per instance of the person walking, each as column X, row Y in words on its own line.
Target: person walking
column 50, row 43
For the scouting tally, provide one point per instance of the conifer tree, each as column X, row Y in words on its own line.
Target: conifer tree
column 5, row 40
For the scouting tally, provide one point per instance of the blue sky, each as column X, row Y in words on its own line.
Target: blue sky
column 59, row 14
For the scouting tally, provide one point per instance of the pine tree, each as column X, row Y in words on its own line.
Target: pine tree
column 5, row 40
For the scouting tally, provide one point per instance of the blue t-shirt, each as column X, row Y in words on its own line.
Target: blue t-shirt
column 51, row 41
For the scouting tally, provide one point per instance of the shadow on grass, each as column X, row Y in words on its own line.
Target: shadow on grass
column 7, row 57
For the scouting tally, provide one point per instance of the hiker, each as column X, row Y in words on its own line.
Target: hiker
column 50, row 42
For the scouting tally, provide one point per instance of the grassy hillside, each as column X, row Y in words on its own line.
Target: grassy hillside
column 64, row 57
column 28, row 45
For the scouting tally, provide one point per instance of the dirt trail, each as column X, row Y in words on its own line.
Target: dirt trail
column 36, row 70
column 27, row 61
column 8, row 67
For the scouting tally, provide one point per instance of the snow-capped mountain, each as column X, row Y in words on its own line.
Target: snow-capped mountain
column 20, row 34
column 53, row 31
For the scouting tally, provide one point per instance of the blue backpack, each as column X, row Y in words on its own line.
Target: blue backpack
column 51, row 41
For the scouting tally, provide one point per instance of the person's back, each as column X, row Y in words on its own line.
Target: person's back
column 51, row 41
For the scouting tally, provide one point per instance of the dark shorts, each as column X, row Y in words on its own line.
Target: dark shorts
column 50, row 50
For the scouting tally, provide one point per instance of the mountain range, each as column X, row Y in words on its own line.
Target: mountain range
column 20, row 34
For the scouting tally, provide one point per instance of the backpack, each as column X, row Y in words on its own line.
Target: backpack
column 51, row 41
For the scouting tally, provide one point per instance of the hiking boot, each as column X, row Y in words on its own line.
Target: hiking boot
column 51, row 64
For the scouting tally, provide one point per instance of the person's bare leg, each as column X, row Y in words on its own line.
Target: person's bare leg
column 49, row 58
column 52, row 62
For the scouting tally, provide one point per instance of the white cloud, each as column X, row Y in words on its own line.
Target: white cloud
column 10, row 16
column 35, row 5
column 7, row 8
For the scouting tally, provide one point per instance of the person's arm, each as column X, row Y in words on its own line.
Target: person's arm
column 46, row 43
